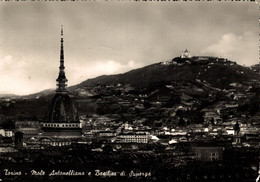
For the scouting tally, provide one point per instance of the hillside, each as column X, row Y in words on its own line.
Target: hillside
column 218, row 72
column 162, row 93
column 255, row 68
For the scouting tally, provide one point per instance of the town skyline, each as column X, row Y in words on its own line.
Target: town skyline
column 107, row 38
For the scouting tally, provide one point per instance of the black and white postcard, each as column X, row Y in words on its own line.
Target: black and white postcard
column 131, row 91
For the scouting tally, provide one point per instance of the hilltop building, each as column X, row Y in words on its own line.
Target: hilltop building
column 185, row 54
column 63, row 120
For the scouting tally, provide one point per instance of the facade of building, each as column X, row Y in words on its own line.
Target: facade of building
column 209, row 153
column 28, row 128
column 9, row 133
column 50, row 141
column 106, row 133
column 6, row 133
column 63, row 120
column 132, row 137
column 7, row 149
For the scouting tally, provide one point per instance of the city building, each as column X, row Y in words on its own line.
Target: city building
column 132, row 137
column 28, row 128
column 106, row 133
column 7, row 149
column 63, row 120
column 208, row 153
column 6, row 132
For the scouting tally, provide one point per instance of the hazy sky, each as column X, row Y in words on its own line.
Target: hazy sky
column 114, row 37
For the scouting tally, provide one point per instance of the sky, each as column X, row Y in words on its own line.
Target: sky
column 102, row 38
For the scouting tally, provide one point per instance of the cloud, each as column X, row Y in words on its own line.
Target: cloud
column 21, row 77
column 5, row 60
column 113, row 67
column 11, row 74
column 78, row 74
column 25, row 76
column 239, row 48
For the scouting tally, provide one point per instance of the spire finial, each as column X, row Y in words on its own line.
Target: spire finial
column 61, row 80
column 61, row 30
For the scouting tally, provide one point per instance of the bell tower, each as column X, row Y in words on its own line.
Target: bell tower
column 237, row 138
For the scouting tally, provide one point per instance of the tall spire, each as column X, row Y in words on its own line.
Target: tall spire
column 61, row 80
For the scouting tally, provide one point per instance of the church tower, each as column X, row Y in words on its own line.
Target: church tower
column 237, row 138
column 63, row 120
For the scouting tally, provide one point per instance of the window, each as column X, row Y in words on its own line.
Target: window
column 198, row 155
column 213, row 156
